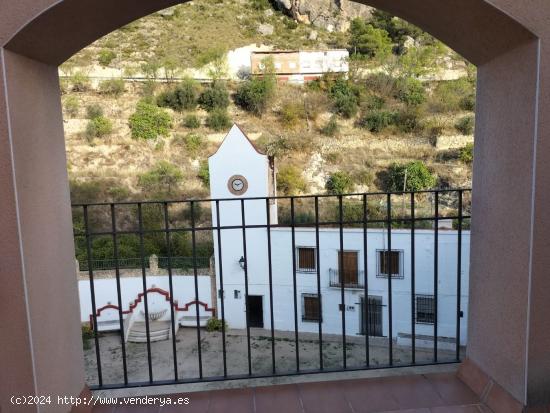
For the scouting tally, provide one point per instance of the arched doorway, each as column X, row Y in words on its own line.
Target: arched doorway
column 508, row 244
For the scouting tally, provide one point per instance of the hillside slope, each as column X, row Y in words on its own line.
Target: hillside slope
column 301, row 125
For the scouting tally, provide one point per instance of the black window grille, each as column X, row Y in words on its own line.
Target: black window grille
column 425, row 309
column 306, row 259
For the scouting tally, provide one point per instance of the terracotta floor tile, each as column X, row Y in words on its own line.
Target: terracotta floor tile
column 198, row 403
column 277, row 399
column 452, row 390
column 414, row 392
column 435, row 393
column 327, row 397
column 367, row 396
column 229, row 401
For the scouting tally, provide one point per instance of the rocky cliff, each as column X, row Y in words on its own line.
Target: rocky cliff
column 333, row 15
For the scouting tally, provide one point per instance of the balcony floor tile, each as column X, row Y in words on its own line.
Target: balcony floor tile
column 428, row 393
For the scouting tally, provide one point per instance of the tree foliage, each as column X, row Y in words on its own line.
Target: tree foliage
column 290, row 180
column 369, row 41
column 183, row 97
column 255, row 94
column 149, row 122
column 339, row 183
column 214, row 97
column 413, row 176
column 164, row 174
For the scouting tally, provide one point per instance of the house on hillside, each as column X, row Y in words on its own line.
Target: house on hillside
column 319, row 272
column 298, row 66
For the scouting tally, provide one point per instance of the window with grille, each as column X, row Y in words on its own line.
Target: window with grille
column 310, row 307
column 306, row 259
column 425, row 309
column 390, row 263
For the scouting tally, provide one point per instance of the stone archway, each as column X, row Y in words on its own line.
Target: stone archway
column 508, row 40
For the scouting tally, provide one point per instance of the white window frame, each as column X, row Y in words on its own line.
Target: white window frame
column 312, row 295
column 400, row 275
column 306, row 270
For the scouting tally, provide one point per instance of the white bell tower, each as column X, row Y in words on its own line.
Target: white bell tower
column 238, row 170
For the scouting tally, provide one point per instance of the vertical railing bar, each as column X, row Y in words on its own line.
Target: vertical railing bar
column 171, row 288
column 294, row 283
column 222, row 289
column 119, row 294
column 459, row 276
column 342, row 279
column 318, row 268
column 270, row 273
column 390, row 275
column 436, row 268
column 243, row 221
column 413, row 282
column 196, row 276
column 145, row 299
column 365, row 308
column 92, row 295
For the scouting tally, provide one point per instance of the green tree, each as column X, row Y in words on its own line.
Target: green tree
column 369, row 41
column 149, row 122
column 345, row 97
column 214, row 97
column 413, row 176
column 397, row 29
column 255, row 94
column 376, row 121
column 218, row 120
column 98, row 127
column 183, row 97
column 290, row 180
column 164, row 174
column 339, row 183
column 411, row 91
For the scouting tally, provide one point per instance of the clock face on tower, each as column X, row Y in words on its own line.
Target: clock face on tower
column 237, row 185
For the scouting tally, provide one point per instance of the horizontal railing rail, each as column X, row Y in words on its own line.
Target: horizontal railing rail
column 354, row 279
column 255, row 261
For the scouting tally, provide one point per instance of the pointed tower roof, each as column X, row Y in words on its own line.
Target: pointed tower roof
column 234, row 134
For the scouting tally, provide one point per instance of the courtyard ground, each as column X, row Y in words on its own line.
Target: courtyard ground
column 237, row 355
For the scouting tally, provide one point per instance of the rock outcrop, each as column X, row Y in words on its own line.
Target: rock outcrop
column 332, row 15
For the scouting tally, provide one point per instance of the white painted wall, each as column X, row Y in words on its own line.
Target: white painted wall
column 331, row 297
column 318, row 62
column 237, row 156
column 130, row 287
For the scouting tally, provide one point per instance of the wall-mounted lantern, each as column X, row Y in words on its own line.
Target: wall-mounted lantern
column 242, row 263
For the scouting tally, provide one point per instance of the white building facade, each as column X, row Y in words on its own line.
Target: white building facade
column 308, row 277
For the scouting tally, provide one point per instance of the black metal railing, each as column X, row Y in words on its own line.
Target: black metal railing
column 110, row 264
column 354, row 279
column 194, row 225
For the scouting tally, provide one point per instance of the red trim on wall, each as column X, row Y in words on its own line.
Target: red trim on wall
column 134, row 304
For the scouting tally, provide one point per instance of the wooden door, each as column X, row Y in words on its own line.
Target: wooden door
column 348, row 274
